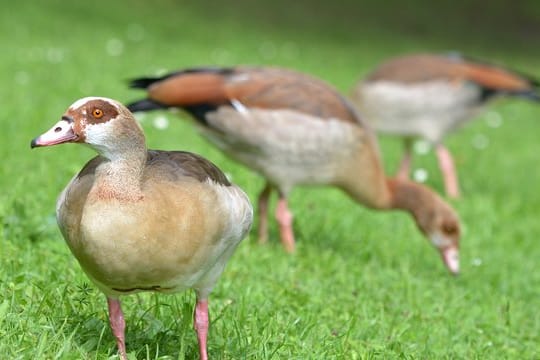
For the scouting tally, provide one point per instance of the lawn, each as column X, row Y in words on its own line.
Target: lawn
column 362, row 285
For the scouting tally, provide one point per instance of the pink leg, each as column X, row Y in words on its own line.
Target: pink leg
column 284, row 218
column 405, row 165
column 200, row 323
column 446, row 163
column 118, row 325
column 263, row 213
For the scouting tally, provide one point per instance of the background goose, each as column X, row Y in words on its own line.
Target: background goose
column 429, row 96
column 294, row 129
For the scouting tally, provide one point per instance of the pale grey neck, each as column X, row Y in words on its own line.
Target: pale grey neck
column 120, row 178
column 121, row 174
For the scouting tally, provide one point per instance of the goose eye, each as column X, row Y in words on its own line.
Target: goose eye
column 97, row 113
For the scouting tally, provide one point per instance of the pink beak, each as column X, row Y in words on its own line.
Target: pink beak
column 450, row 256
column 60, row 133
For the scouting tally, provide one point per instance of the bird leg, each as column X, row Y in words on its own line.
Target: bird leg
column 284, row 218
column 405, row 165
column 446, row 164
column 118, row 325
column 200, row 323
column 263, row 213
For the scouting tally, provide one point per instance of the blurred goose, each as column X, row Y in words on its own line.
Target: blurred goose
column 144, row 220
column 429, row 96
column 294, row 129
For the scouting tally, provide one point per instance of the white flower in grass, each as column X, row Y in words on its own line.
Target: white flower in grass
column 476, row 262
column 422, row 147
column 55, row 55
column 480, row 141
column 493, row 119
column 161, row 122
column 420, row 175
column 115, row 47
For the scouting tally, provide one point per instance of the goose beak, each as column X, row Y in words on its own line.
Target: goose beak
column 60, row 133
column 450, row 256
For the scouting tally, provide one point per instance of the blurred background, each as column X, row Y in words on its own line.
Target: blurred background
column 55, row 52
column 337, row 40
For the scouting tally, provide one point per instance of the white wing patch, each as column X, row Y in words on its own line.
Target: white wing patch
column 239, row 106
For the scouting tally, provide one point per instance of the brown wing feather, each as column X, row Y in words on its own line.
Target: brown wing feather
column 274, row 88
column 426, row 67
column 187, row 89
column 414, row 68
column 494, row 78
column 267, row 88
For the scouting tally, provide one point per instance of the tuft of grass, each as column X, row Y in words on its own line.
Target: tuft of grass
column 362, row 285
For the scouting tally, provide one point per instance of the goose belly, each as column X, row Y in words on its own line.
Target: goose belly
column 286, row 147
column 165, row 247
column 429, row 110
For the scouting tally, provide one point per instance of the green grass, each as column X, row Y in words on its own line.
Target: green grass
column 363, row 285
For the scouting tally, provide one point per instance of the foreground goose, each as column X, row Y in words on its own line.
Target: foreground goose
column 145, row 220
column 429, row 96
column 296, row 130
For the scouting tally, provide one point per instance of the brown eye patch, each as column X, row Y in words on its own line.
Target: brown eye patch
column 97, row 113
column 100, row 111
column 450, row 229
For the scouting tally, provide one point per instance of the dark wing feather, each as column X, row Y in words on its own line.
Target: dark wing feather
column 145, row 105
column 145, row 82
column 90, row 167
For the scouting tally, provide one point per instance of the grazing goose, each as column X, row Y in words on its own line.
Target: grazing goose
column 296, row 130
column 144, row 220
column 429, row 96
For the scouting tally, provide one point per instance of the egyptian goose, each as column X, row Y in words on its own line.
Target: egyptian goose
column 296, row 130
column 144, row 220
column 429, row 96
